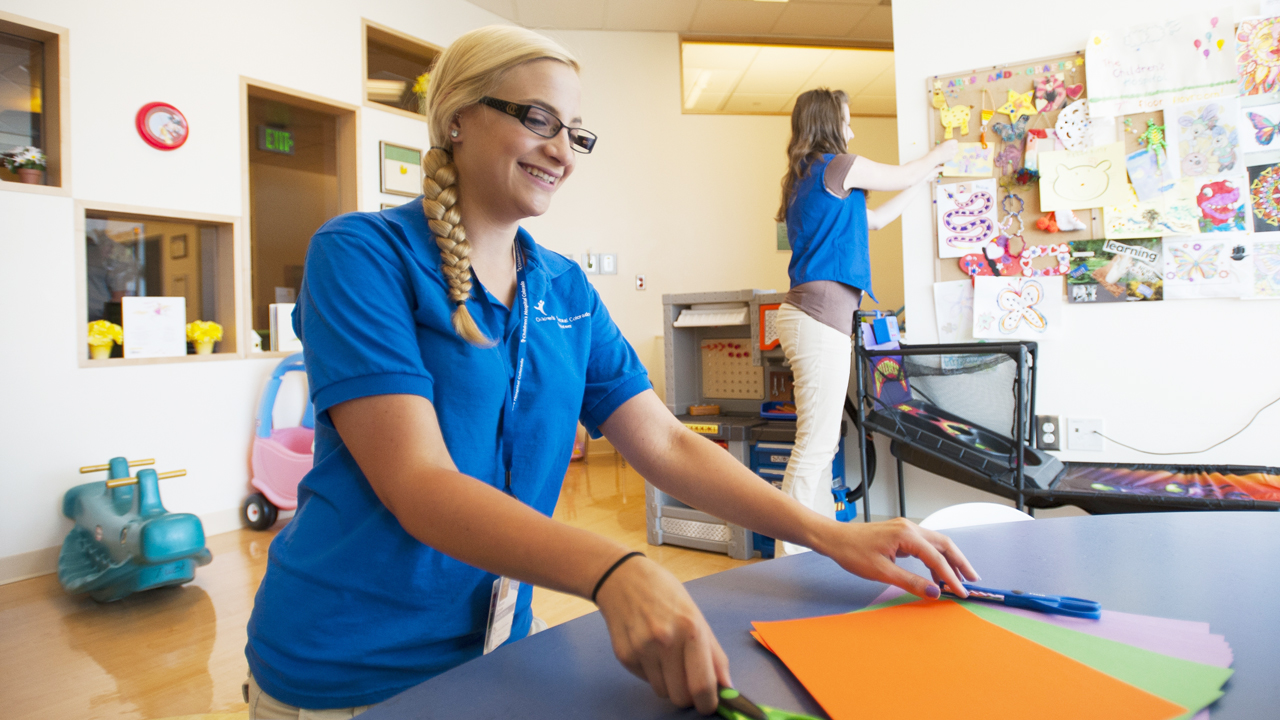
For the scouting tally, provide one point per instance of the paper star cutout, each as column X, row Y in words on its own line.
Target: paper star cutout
column 1018, row 105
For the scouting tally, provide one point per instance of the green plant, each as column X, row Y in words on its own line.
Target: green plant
column 24, row 158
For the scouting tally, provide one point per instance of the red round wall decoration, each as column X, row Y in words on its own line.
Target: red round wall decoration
column 162, row 126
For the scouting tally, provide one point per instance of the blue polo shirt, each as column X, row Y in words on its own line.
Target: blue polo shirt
column 828, row 234
column 352, row 609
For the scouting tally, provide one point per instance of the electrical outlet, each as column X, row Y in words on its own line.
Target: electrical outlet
column 591, row 263
column 609, row 264
column 640, row 285
column 1082, row 434
column 1048, row 432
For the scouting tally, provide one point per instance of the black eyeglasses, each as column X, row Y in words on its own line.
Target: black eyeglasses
column 543, row 123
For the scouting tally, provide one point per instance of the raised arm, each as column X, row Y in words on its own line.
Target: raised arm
column 867, row 174
column 700, row 474
column 658, row 633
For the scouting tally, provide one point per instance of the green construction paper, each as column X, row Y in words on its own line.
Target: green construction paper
column 1190, row 684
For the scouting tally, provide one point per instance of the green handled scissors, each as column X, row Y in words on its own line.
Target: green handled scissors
column 736, row 707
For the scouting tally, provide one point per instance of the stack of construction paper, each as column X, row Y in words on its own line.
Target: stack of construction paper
column 911, row 658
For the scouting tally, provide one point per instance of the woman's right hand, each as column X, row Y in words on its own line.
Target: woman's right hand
column 659, row 634
column 944, row 152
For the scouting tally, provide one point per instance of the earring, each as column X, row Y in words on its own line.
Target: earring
column 453, row 133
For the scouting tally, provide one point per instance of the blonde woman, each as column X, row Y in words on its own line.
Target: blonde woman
column 824, row 204
column 450, row 358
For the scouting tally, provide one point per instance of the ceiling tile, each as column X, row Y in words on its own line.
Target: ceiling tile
column 876, row 25
column 708, row 103
column 753, row 103
column 735, row 17
column 884, row 85
column 852, row 70
column 561, row 15
column 818, row 19
column 651, row 15
column 873, row 105
column 781, row 70
column 501, row 8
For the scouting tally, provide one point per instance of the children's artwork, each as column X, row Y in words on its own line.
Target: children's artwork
column 955, row 116
column 1011, row 132
column 1206, row 136
column 1258, row 62
column 1144, row 67
column 1072, row 127
column 1258, row 128
column 1266, row 270
column 1080, row 179
column 1052, row 92
column 1151, row 174
column 1010, row 158
column 1223, row 202
column 1204, row 267
column 1264, row 188
column 953, row 306
column 1039, row 141
column 1171, row 213
column 1018, row 105
column 1105, row 271
column 1015, row 308
column 993, row 259
column 971, row 160
column 154, row 326
column 966, row 217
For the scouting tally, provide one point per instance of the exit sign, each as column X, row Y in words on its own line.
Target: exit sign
column 275, row 140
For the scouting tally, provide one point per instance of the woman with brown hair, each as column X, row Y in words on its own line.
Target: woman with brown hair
column 824, row 204
column 450, row 359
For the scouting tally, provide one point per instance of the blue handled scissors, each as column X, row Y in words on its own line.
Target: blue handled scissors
column 1055, row 604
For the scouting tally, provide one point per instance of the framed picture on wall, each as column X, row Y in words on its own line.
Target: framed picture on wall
column 401, row 169
column 177, row 247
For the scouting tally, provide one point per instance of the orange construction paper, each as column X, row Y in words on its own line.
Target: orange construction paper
column 936, row 659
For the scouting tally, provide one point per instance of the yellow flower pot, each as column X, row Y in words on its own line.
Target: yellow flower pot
column 204, row 347
column 100, row 352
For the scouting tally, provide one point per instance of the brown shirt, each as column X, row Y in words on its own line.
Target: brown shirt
column 829, row 302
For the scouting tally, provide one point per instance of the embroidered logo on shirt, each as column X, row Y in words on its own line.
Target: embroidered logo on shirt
column 538, row 307
column 564, row 322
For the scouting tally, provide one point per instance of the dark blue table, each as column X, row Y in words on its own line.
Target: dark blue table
column 1223, row 568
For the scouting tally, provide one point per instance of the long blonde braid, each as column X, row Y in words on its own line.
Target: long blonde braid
column 440, row 203
column 462, row 74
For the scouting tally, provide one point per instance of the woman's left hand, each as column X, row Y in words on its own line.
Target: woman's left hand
column 869, row 549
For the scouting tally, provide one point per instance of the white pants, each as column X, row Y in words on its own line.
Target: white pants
column 820, row 360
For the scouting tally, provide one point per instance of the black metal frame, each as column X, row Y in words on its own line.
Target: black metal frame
column 1023, row 353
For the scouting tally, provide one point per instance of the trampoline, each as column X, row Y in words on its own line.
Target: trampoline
column 941, row 416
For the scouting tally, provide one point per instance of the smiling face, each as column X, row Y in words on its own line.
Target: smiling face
column 506, row 172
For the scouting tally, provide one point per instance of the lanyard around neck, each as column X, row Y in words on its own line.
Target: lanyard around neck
column 521, row 308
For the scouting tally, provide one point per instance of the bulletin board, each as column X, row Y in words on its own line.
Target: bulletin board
column 988, row 88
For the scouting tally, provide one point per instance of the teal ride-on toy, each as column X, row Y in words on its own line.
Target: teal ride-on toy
column 124, row 540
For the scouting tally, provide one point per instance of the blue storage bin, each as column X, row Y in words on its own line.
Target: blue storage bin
column 770, row 410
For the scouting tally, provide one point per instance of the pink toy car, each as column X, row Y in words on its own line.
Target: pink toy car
column 280, row 457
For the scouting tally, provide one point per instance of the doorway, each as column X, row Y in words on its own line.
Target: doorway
column 301, row 170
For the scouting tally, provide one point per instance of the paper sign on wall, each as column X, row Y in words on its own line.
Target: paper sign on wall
column 1151, row 173
column 971, row 160
column 966, row 217
column 1082, row 179
column 1014, row 308
column 1266, row 270
column 1144, row 67
column 154, row 326
column 1258, row 128
column 1104, row 271
column 1205, row 136
column 953, row 308
column 1170, row 213
column 1206, row 267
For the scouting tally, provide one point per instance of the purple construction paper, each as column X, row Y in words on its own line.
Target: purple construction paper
column 1183, row 639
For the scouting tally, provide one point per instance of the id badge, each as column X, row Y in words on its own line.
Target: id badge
column 502, row 611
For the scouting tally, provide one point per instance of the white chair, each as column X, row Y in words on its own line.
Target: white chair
column 975, row 513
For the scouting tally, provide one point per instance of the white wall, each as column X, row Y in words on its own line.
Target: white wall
column 686, row 200
column 1163, row 376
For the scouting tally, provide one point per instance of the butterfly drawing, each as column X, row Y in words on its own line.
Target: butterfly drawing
column 1263, row 128
column 1188, row 264
column 1010, row 132
column 1021, row 307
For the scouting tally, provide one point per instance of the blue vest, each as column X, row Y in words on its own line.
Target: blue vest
column 828, row 235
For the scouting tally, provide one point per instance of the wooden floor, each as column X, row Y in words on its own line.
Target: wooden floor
column 180, row 651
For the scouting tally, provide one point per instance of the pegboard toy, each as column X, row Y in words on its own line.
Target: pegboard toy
column 727, row 371
column 124, row 541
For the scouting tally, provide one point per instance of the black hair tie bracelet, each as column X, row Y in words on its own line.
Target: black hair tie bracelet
column 607, row 573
